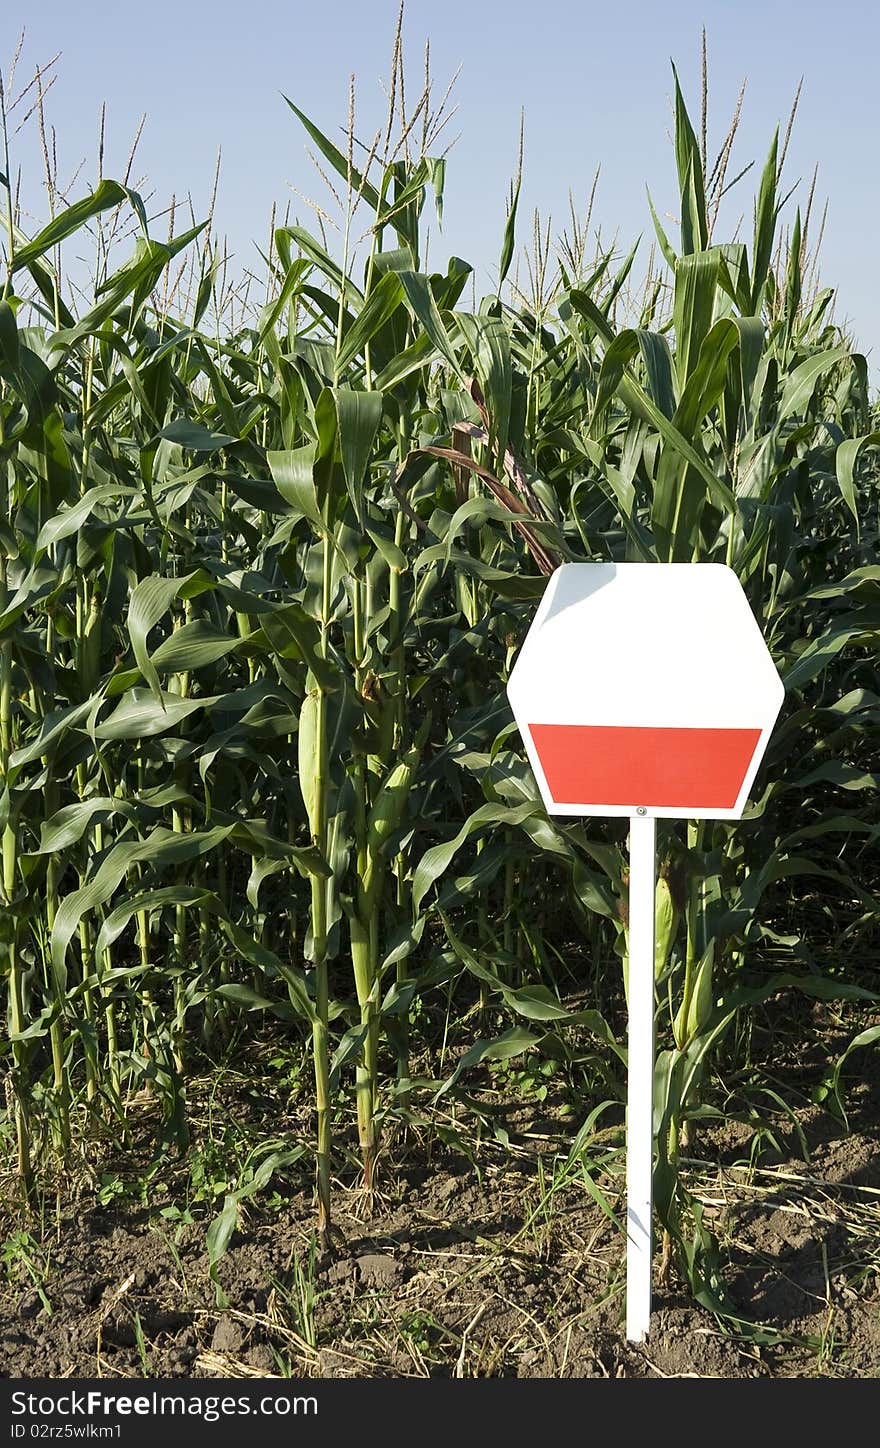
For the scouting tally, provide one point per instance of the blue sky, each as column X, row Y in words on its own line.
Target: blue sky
column 595, row 82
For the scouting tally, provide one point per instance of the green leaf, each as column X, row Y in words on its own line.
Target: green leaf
column 437, row 859
column 339, row 162
column 694, row 224
column 131, row 284
column 53, row 727
column 845, row 460
column 195, row 436
column 696, row 279
column 320, row 258
column 509, row 239
column 765, row 227
column 394, row 556
column 801, row 383
column 8, row 337
column 161, row 848
column 618, row 355
column 489, row 343
column 266, row 960
column 819, row 653
column 633, row 396
column 193, row 646
column 358, row 417
column 867, row 1037
column 107, row 194
column 68, row 825
column 381, row 304
column 424, row 309
column 219, row 1233
column 142, row 714
column 657, row 360
column 678, row 501
column 411, row 359
column 70, row 520
column 662, row 239
column 512, row 1043
column 149, row 901
column 293, row 474
column 293, row 634
column 149, row 602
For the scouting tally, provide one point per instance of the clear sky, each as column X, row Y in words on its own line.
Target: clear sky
column 594, row 79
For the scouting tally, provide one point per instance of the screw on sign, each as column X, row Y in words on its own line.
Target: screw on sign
column 644, row 689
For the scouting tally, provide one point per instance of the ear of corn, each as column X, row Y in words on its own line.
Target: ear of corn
column 666, row 917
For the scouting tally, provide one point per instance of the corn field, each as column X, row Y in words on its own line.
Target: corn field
column 265, row 565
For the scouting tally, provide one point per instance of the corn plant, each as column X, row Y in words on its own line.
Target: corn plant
column 264, row 569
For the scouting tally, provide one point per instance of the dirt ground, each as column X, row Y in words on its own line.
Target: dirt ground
column 505, row 1265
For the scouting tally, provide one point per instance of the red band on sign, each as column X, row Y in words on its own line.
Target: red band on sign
column 682, row 769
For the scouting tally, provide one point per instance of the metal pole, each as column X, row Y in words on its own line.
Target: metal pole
column 640, row 1076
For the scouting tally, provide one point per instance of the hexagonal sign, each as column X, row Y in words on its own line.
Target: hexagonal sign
column 645, row 688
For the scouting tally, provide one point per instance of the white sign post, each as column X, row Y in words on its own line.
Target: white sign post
column 646, row 690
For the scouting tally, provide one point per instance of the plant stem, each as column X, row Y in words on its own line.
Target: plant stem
column 320, row 889
column 399, row 704
column 9, row 871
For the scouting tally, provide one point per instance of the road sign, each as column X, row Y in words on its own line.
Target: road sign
column 645, row 685
column 644, row 689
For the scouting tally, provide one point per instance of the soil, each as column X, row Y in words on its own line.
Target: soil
column 468, row 1267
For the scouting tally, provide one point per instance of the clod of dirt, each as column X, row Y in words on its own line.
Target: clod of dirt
column 158, row 1320
column 377, row 1268
column 80, row 1291
column 340, row 1272
column 262, row 1358
column 119, row 1330
column 228, row 1336
column 854, row 1160
column 179, row 1358
column 681, row 1346
column 789, row 1229
column 30, row 1305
